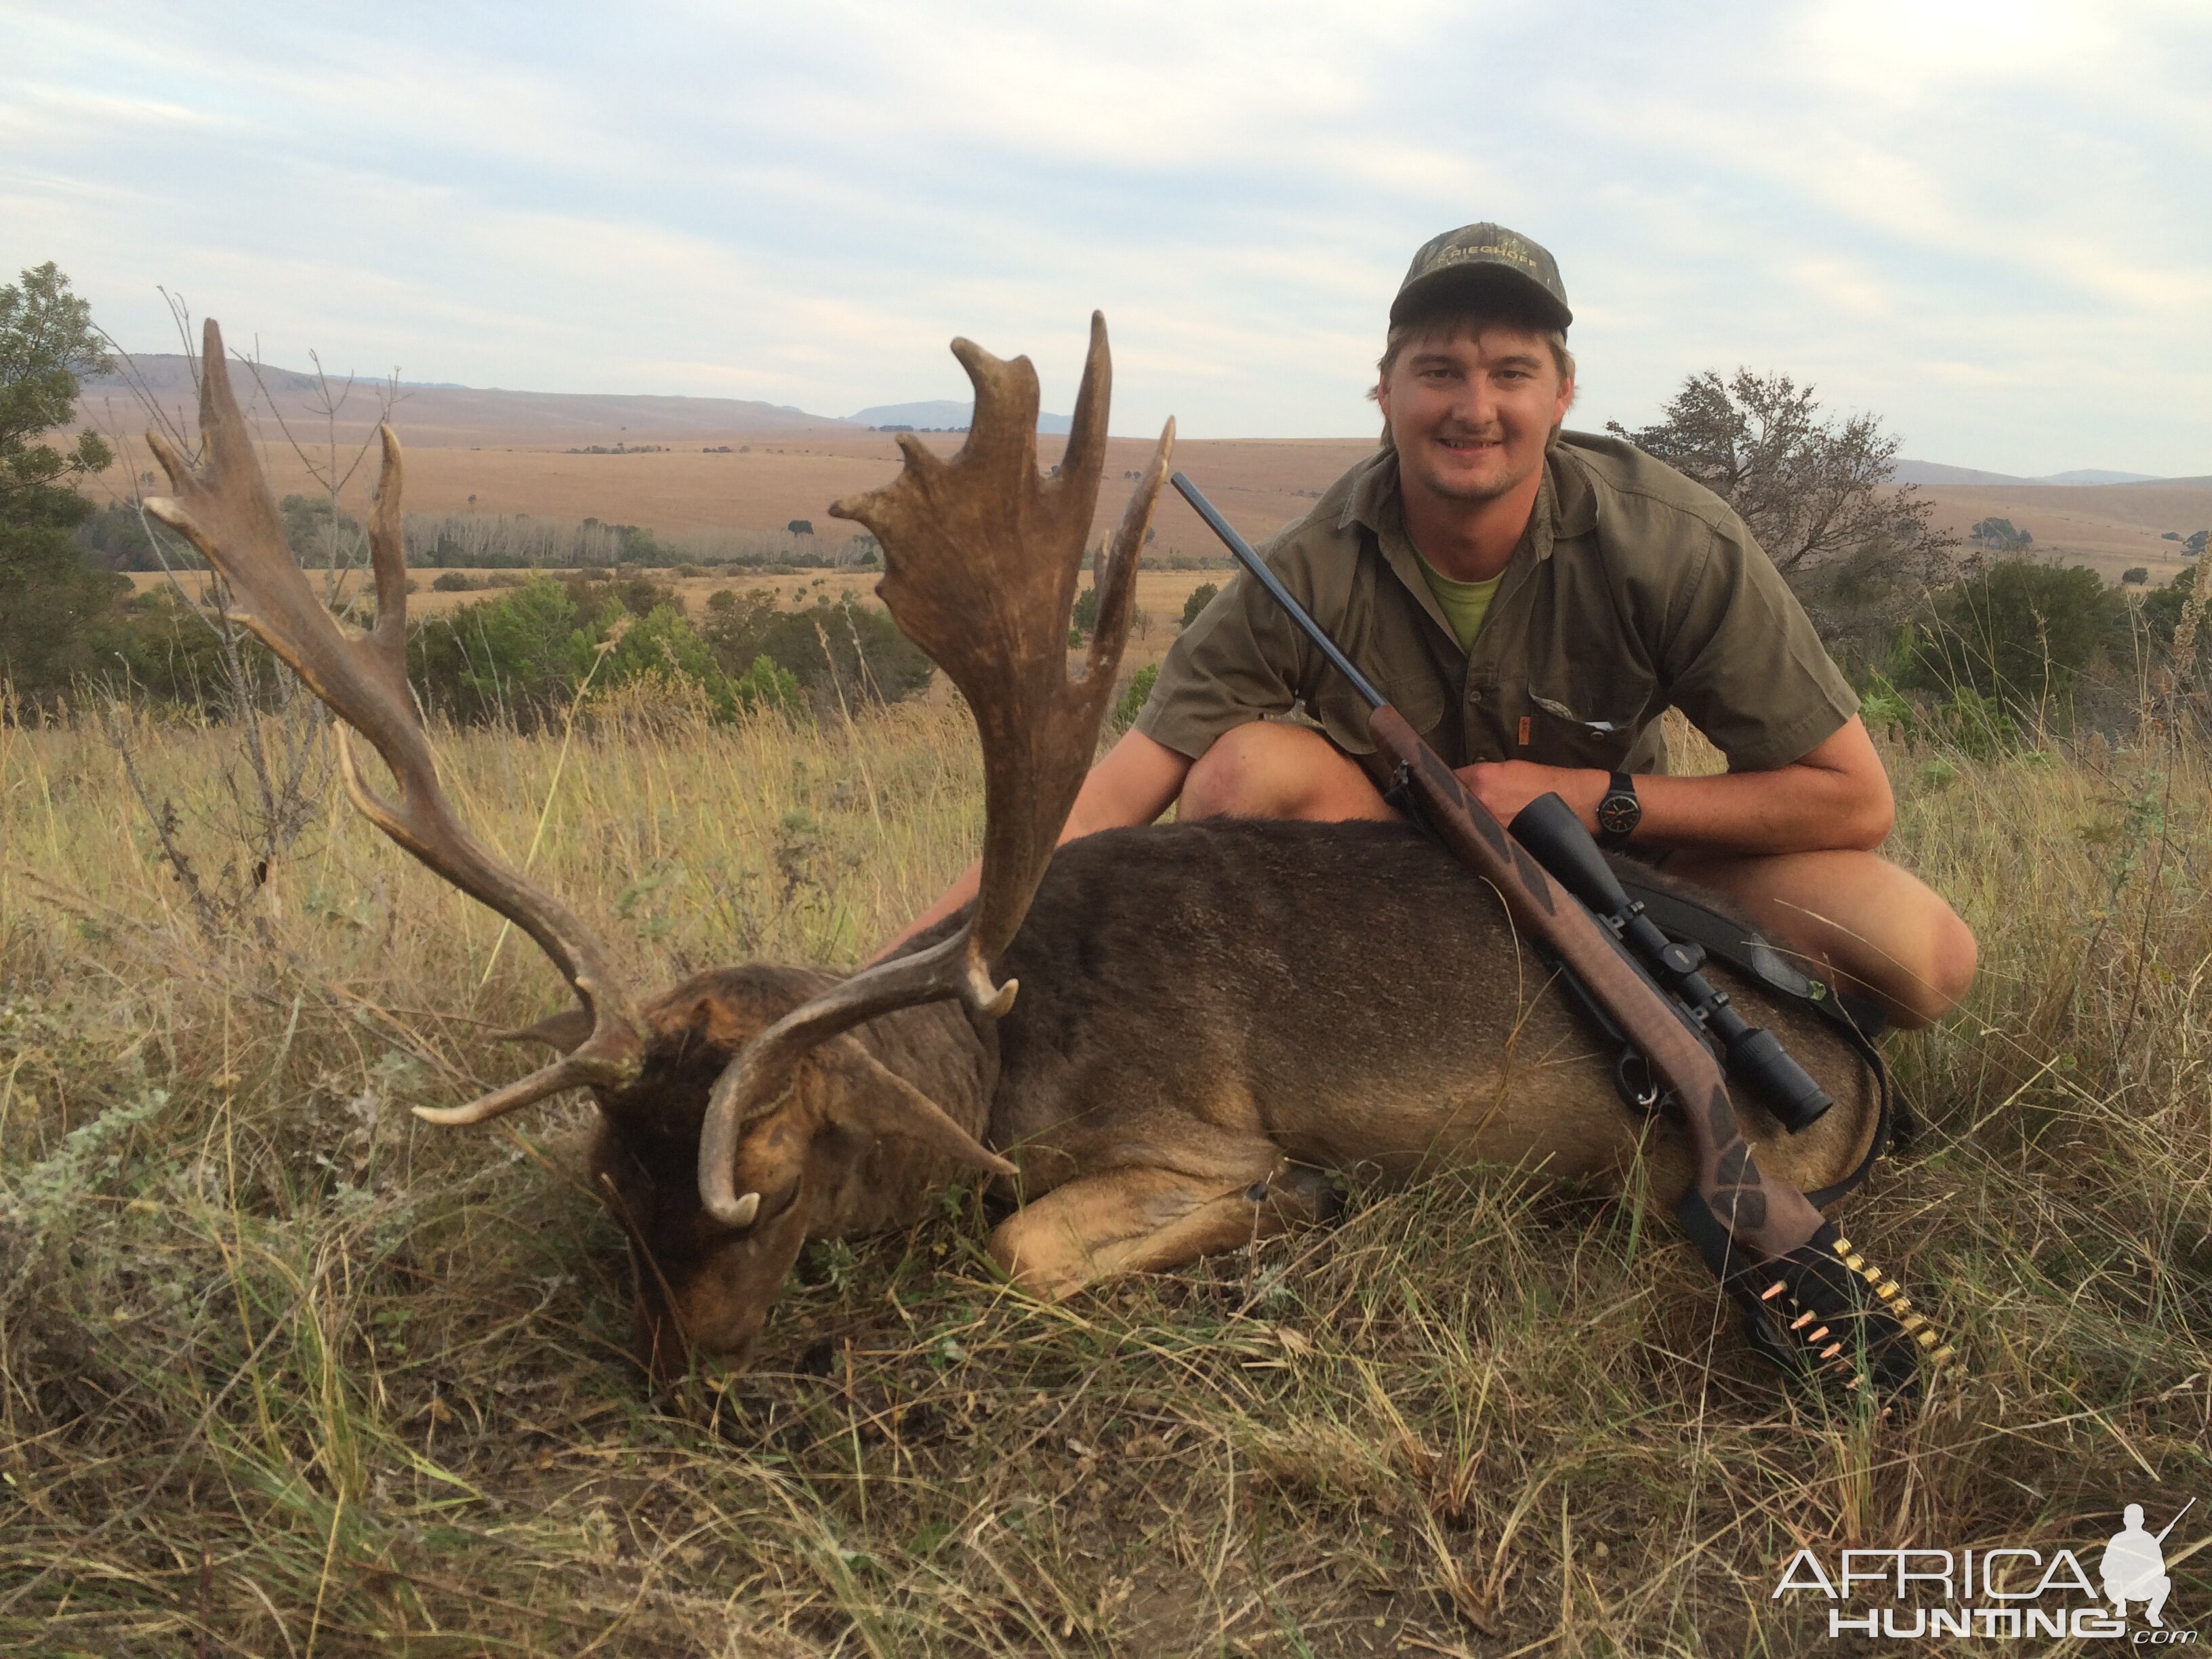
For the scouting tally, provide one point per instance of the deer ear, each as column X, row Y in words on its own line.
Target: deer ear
column 564, row 1031
column 878, row 1099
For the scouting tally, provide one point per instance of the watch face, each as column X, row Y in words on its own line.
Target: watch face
column 1619, row 815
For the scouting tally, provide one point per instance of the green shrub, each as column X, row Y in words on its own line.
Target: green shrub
column 832, row 647
column 116, row 537
column 1133, row 699
column 1201, row 597
column 522, row 655
column 2020, row 635
column 2160, row 611
column 454, row 581
column 764, row 685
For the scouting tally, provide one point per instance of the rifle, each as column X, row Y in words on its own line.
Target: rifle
column 1767, row 1242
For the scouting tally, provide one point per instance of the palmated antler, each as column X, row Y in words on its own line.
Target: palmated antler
column 982, row 555
column 225, row 507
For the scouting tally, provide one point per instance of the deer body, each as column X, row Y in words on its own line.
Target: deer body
column 1210, row 1015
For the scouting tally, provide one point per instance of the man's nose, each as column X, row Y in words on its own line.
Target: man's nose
column 1476, row 404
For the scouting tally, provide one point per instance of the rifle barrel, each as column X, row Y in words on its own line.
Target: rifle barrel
column 2176, row 1521
column 1267, row 579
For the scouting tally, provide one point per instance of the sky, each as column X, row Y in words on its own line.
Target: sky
column 1984, row 223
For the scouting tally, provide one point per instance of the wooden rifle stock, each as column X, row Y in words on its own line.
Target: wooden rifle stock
column 1768, row 1218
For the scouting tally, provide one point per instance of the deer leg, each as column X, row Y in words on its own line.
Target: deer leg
column 1147, row 1220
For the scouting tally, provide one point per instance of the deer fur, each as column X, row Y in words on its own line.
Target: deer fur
column 1212, row 1014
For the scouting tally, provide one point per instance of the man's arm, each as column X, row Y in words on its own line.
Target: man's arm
column 1833, row 797
column 1133, row 785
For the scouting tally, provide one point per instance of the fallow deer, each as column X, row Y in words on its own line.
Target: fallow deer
column 1210, row 1014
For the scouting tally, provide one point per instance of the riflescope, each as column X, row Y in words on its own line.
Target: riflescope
column 1555, row 837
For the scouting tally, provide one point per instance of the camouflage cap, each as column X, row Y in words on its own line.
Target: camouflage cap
column 1478, row 258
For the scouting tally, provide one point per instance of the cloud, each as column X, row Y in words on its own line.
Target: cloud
column 1984, row 221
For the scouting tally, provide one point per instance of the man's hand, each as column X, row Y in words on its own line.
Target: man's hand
column 1506, row 786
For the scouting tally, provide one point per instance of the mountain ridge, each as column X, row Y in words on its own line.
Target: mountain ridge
column 1938, row 472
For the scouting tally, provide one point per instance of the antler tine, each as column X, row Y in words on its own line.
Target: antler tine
column 982, row 555
column 224, row 506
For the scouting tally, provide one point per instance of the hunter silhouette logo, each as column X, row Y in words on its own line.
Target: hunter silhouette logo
column 2009, row 1592
column 2133, row 1568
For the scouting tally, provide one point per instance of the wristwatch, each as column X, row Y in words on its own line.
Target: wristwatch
column 1619, row 811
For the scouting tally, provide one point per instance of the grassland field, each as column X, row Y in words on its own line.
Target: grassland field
column 683, row 481
column 285, row 1371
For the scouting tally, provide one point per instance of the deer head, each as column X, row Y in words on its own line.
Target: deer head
column 734, row 1119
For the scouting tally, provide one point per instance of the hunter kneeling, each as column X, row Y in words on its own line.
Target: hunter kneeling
column 1532, row 600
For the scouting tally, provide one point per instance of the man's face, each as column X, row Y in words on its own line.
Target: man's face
column 1470, row 415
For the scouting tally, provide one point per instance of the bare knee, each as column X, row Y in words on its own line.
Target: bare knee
column 1947, row 972
column 1927, row 967
column 1267, row 770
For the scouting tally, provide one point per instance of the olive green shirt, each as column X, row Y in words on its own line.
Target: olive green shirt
column 1631, row 589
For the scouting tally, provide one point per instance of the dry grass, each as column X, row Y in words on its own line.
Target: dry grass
column 284, row 1372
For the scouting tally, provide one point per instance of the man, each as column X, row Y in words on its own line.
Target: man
column 1532, row 600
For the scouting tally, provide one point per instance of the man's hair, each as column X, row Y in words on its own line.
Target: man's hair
column 1449, row 322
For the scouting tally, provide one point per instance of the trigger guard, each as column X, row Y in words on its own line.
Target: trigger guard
column 1646, row 1096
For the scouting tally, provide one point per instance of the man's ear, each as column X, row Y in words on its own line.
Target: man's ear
column 874, row 1097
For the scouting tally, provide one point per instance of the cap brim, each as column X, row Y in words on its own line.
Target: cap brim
column 1477, row 282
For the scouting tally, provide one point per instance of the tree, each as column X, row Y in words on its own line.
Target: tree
column 2019, row 633
column 50, row 599
column 1816, row 493
column 1085, row 616
column 1201, row 597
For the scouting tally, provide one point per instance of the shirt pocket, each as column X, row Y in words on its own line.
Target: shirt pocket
column 1585, row 722
column 1413, row 690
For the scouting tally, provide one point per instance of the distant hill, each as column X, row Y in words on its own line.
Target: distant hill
column 939, row 414
column 445, row 415
column 1935, row 472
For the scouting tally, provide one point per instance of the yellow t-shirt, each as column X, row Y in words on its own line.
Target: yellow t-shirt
column 1464, row 603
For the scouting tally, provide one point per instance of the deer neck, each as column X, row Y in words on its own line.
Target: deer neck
column 868, row 1178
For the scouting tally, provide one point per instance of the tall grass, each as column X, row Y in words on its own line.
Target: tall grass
column 284, row 1371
